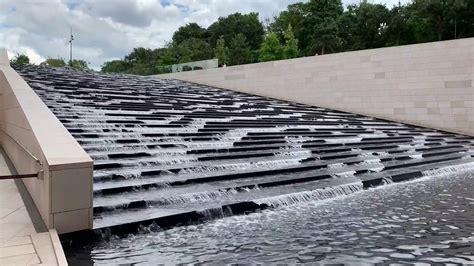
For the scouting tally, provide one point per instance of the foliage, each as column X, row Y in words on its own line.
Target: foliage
column 20, row 59
column 240, row 52
column 294, row 16
column 363, row 26
column 192, row 50
column 306, row 28
column 76, row 64
column 441, row 15
column 190, row 31
column 221, row 52
column 271, row 48
column 79, row 64
column 115, row 66
column 54, row 62
column 248, row 25
column 322, row 24
column 291, row 43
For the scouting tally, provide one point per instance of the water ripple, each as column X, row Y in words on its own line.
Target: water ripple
column 426, row 222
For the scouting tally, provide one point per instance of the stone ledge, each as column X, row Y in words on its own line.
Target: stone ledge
column 35, row 140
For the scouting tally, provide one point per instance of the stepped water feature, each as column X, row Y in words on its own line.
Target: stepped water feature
column 169, row 152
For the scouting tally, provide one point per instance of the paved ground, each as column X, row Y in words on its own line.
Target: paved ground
column 20, row 244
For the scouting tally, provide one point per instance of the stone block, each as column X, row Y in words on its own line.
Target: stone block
column 66, row 222
column 458, row 84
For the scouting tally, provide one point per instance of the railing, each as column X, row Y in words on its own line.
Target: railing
column 20, row 176
column 2, row 177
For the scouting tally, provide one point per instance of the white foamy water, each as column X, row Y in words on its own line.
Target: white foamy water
column 343, row 140
column 450, row 170
column 306, row 196
column 372, row 164
column 416, row 156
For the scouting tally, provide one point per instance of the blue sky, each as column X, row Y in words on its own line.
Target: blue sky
column 109, row 29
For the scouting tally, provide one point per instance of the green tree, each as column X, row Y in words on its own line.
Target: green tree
column 54, row 62
column 294, row 16
column 79, row 64
column 229, row 27
column 20, row 60
column 239, row 51
column 271, row 48
column 400, row 28
column 291, row 43
column 167, row 56
column 194, row 50
column 363, row 26
column 442, row 17
column 321, row 26
column 323, row 16
column 190, row 31
column 462, row 19
column 139, row 55
column 221, row 51
column 115, row 66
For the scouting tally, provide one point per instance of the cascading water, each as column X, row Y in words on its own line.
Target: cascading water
column 169, row 152
column 314, row 195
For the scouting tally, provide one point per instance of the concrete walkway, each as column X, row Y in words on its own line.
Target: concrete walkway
column 20, row 243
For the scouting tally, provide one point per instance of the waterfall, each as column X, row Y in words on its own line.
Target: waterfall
column 450, row 170
column 212, row 213
column 198, row 197
column 306, row 196
column 387, row 180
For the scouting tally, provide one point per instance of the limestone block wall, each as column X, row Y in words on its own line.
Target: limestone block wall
column 35, row 140
column 427, row 84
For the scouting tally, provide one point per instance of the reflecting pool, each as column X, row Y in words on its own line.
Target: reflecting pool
column 430, row 220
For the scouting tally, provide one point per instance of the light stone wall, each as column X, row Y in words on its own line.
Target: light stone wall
column 63, row 191
column 427, row 84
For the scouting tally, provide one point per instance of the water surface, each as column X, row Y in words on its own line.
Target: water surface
column 425, row 221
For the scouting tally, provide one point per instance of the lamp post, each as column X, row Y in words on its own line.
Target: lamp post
column 70, row 48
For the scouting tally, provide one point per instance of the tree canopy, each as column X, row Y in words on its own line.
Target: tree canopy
column 54, row 62
column 76, row 64
column 190, row 31
column 271, row 48
column 304, row 29
column 20, row 59
column 221, row 52
column 240, row 52
column 248, row 25
column 291, row 43
column 79, row 64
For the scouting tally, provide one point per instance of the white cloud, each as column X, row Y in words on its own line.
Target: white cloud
column 110, row 29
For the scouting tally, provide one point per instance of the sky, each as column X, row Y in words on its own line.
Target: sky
column 105, row 30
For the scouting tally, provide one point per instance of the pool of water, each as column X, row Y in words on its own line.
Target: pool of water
column 430, row 220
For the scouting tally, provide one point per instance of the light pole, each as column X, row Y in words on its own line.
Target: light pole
column 70, row 48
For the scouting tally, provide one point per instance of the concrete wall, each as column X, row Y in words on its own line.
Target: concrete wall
column 427, row 84
column 28, row 130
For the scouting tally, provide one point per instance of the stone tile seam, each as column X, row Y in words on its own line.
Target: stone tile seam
column 24, row 245
column 29, row 236
column 88, row 209
column 1, row 218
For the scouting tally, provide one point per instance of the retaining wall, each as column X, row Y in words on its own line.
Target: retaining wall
column 428, row 84
column 36, row 141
